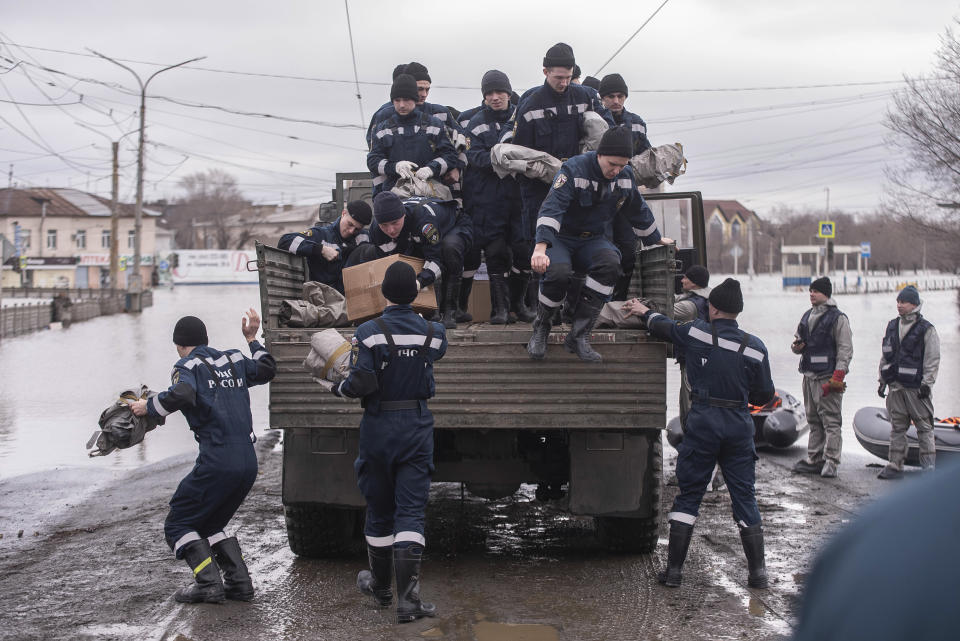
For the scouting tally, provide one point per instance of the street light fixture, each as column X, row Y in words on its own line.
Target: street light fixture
column 135, row 284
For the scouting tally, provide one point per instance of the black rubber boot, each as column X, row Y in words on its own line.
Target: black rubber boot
column 236, row 578
column 622, row 286
column 376, row 581
column 438, row 291
column 752, row 539
column 518, row 283
column 572, row 300
column 463, row 302
column 537, row 347
column 499, row 300
column 451, row 295
column 207, row 586
column 680, row 536
column 406, row 562
column 584, row 318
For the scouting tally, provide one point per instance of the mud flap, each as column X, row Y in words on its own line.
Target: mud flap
column 318, row 467
column 608, row 472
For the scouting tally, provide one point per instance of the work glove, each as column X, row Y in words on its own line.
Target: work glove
column 835, row 384
column 924, row 392
column 405, row 169
column 882, row 390
column 424, row 173
column 797, row 347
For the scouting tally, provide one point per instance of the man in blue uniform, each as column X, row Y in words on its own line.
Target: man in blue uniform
column 210, row 388
column 327, row 246
column 573, row 231
column 909, row 366
column 422, row 78
column 392, row 371
column 550, row 118
column 613, row 92
column 429, row 228
column 727, row 368
column 493, row 203
column 409, row 142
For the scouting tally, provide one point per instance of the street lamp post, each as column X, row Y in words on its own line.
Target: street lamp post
column 135, row 284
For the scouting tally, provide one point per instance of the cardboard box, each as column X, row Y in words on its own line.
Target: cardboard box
column 362, row 286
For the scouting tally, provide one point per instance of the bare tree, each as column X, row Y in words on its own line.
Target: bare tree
column 201, row 217
column 924, row 189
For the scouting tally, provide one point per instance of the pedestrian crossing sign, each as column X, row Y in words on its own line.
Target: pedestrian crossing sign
column 827, row 229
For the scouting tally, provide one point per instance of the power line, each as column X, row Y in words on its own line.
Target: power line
column 356, row 76
column 615, row 53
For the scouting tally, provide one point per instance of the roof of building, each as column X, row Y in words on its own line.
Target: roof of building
column 728, row 210
column 295, row 215
column 60, row 202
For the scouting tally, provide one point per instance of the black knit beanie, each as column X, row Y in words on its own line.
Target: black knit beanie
column 399, row 69
column 418, row 71
column 404, row 86
column 576, row 72
column 190, row 332
column 495, row 80
column 360, row 211
column 399, row 283
column 822, row 285
column 560, row 55
column 387, row 207
column 727, row 297
column 590, row 81
column 616, row 141
column 698, row 275
column 909, row 294
column 613, row 83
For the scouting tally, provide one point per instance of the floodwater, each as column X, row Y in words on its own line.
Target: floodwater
column 57, row 382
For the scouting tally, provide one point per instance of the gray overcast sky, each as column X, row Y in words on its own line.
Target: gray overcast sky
column 765, row 148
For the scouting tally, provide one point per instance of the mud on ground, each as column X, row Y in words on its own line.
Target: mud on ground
column 91, row 564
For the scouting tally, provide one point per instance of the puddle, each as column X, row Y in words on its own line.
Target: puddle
column 489, row 631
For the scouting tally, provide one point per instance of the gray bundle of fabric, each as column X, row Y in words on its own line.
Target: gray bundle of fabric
column 407, row 187
column 320, row 306
column 509, row 159
column 119, row 427
column 655, row 165
column 594, row 126
column 329, row 357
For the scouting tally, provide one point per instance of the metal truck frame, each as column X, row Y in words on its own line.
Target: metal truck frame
column 589, row 435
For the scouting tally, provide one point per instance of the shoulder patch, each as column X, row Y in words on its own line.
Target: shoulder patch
column 430, row 233
column 620, row 202
column 354, row 351
column 307, row 232
column 560, row 181
column 175, row 376
column 468, row 143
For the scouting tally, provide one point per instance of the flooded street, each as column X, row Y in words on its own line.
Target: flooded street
column 82, row 554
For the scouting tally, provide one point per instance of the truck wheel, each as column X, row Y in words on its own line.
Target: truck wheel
column 322, row 531
column 638, row 536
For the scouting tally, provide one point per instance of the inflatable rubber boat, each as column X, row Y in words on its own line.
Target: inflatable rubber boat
column 872, row 428
column 778, row 424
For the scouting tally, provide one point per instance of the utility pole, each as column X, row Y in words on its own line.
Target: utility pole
column 826, row 264
column 135, row 284
column 114, row 205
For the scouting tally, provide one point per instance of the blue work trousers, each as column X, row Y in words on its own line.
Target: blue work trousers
column 717, row 435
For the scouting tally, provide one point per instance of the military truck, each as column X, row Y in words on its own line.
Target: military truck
column 588, row 435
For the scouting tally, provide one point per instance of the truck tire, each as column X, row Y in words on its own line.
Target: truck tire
column 637, row 536
column 322, row 531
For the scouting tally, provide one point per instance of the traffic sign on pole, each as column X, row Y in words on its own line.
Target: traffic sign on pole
column 827, row 229
column 865, row 250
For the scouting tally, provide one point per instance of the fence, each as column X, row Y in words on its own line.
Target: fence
column 22, row 318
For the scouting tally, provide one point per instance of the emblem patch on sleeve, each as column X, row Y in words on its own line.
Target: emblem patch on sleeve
column 560, row 181
column 307, row 232
column 354, row 351
column 430, row 233
column 468, row 144
column 175, row 376
column 620, row 202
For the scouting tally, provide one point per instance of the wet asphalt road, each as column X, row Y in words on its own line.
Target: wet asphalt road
column 510, row 570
